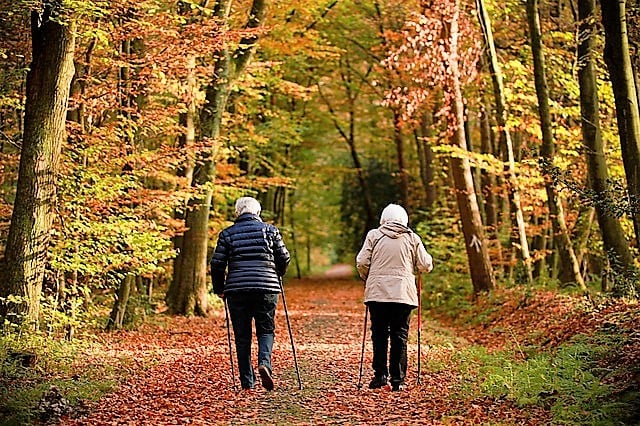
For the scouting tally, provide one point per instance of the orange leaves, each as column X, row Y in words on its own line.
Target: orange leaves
column 178, row 372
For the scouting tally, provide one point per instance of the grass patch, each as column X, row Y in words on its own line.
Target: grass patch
column 39, row 378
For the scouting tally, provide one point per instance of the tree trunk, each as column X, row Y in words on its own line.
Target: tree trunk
column 505, row 136
column 547, row 151
column 189, row 293
column 426, row 158
column 403, row 176
column 475, row 242
column 487, row 178
column 119, row 310
column 614, row 241
column 47, row 95
column 618, row 60
column 349, row 137
column 186, row 141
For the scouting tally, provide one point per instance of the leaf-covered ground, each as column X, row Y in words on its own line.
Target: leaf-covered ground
column 180, row 372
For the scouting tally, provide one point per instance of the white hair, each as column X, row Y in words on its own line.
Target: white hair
column 394, row 213
column 247, row 205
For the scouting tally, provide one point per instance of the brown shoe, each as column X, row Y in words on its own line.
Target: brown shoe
column 265, row 377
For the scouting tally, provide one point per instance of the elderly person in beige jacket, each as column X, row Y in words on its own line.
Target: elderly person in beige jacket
column 387, row 261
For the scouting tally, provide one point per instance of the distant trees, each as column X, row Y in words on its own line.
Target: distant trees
column 326, row 111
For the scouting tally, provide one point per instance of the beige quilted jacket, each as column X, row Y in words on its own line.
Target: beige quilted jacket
column 387, row 261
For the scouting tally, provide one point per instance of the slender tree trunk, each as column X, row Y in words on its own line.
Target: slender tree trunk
column 403, row 176
column 47, row 95
column 547, row 151
column 618, row 60
column 349, row 137
column 501, row 116
column 475, row 242
column 119, row 310
column 488, row 179
column 614, row 241
column 426, row 159
column 294, row 240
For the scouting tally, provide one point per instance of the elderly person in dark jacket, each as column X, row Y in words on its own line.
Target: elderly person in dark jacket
column 254, row 258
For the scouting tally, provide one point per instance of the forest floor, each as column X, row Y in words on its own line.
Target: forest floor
column 179, row 371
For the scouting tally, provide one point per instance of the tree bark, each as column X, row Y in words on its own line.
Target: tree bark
column 426, row 158
column 618, row 60
column 188, row 292
column 119, row 310
column 614, row 241
column 47, row 95
column 547, row 150
column 349, row 137
column 505, row 136
column 403, row 176
column 475, row 242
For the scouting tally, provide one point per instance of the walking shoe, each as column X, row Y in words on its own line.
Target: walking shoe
column 265, row 376
column 378, row 382
column 396, row 387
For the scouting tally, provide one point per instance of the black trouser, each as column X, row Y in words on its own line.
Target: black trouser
column 390, row 321
column 243, row 308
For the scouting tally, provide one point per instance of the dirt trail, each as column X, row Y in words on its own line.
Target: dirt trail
column 180, row 373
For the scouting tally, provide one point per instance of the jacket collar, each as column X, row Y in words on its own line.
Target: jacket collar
column 248, row 216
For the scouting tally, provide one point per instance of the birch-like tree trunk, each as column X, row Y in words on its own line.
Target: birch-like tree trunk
column 47, row 95
column 505, row 137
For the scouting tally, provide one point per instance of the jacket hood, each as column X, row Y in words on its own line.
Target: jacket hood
column 394, row 229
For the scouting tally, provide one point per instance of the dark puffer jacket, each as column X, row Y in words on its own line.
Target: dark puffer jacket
column 253, row 254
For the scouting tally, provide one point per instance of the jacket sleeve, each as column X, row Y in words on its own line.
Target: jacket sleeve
column 423, row 260
column 281, row 255
column 219, row 265
column 363, row 259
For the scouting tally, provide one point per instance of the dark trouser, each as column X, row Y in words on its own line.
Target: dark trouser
column 390, row 321
column 243, row 308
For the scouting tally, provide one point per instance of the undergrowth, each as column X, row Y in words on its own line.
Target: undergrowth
column 588, row 379
column 39, row 378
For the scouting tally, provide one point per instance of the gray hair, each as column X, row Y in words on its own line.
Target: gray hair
column 247, row 205
column 394, row 213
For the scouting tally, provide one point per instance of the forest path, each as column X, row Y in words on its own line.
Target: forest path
column 180, row 373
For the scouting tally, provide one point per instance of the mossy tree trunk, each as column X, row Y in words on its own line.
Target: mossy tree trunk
column 547, row 150
column 618, row 59
column 47, row 95
column 613, row 238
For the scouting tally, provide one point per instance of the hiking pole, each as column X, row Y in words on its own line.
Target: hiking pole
column 293, row 346
column 364, row 338
column 226, row 317
column 419, row 320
